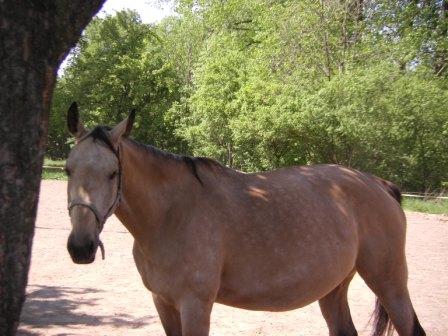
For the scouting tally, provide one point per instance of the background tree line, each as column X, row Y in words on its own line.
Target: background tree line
column 260, row 84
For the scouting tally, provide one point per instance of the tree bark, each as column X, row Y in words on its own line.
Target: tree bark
column 35, row 36
column 441, row 54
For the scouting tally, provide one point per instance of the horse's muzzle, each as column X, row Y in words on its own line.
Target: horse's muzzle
column 82, row 253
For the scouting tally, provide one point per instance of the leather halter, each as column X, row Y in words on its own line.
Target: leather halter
column 100, row 220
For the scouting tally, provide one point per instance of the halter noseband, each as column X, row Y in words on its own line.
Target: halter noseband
column 100, row 220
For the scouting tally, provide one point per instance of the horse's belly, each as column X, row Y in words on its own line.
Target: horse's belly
column 276, row 298
column 284, row 283
column 270, row 300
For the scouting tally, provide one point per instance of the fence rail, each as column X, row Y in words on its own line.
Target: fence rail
column 417, row 195
column 53, row 168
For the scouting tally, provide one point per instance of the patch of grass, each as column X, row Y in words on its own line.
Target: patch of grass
column 54, row 170
column 53, row 174
column 54, row 163
column 432, row 206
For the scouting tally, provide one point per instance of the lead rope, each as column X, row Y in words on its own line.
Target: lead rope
column 100, row 244
column 114, row 205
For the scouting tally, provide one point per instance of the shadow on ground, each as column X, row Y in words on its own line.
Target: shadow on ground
column 48, row 306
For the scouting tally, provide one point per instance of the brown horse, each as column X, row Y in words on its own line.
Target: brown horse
column 273, row 241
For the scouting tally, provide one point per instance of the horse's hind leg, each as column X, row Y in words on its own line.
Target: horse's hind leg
column 385, row 272
column 169, row 317
column 335, row 309
column 394, row 297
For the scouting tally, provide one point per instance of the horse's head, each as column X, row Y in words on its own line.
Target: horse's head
column 94, row 183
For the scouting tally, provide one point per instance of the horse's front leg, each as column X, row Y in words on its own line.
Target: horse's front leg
column 169, row 316
column 195, row 316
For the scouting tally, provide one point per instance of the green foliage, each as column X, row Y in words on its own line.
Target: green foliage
column 439, row 207
column 54, row 163
column 54, row 170
column 119, row 64
column 261, row 84
column 53, row 174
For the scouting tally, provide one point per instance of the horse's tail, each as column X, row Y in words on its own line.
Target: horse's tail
column 381, row 321
column 383, row 325
column 391, row 188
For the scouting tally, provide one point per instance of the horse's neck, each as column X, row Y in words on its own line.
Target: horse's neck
column 148, row 182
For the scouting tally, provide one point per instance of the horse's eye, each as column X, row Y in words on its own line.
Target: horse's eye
column 113, row 175
column 67, row 172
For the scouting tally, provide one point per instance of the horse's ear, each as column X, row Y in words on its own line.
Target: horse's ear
column 123, row 129
column 74, row 123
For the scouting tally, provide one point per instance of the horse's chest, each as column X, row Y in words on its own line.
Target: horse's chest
column 156, row 278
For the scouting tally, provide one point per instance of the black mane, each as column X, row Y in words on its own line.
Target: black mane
column 101, row 133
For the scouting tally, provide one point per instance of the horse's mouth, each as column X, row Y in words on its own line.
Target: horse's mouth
column 82, row 259
column 85, row 254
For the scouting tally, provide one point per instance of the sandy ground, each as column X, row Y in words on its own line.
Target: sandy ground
column 108, row 297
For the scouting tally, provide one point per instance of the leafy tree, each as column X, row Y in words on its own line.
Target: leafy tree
column 260, row 84
column 118, row 65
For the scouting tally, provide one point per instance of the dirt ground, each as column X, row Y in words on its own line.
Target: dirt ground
column 108, row 297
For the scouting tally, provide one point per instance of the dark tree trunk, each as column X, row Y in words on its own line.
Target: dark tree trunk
column 441, row 55
column 35, row 36
column 357, row 9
